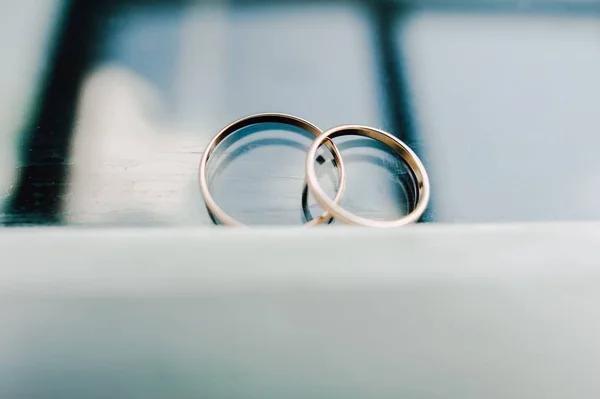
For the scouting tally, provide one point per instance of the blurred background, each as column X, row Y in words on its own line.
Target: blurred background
column 106, row 106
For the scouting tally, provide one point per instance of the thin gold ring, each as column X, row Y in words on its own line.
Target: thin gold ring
column 422, row 188
column 290, row 120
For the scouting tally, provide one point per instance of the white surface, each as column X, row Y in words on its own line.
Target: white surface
column 134, row 262
column 427, row 311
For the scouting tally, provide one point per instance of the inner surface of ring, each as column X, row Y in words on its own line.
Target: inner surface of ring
column 380, row 185
column 262, row 163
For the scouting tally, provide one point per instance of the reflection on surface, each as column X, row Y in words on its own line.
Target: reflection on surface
column 491, row 101
column 129, row 166
column 142, row 127
column 383, row 187
column 507, row 109
column 21, row 71
column 257, row 175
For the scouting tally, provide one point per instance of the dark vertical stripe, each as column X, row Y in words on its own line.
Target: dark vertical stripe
column 44, row 152
column 396, row 98
column 396, row 114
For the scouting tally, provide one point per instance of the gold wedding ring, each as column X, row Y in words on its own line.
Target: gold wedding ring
column 290, row 120
column 331, row 206
column 422, row 188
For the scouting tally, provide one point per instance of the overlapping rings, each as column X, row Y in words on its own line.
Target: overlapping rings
column 332, row 206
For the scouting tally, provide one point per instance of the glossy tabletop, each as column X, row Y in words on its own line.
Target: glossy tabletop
column 106, row 106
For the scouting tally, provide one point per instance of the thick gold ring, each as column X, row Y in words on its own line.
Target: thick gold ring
column 290, row 120
column 339, row 213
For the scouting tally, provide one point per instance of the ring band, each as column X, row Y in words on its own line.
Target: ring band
column 422, row 193
column 289, row 120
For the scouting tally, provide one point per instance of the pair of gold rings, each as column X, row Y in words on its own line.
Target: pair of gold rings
column 331, row 206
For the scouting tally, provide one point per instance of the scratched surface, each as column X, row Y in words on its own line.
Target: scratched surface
column 106, row 108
